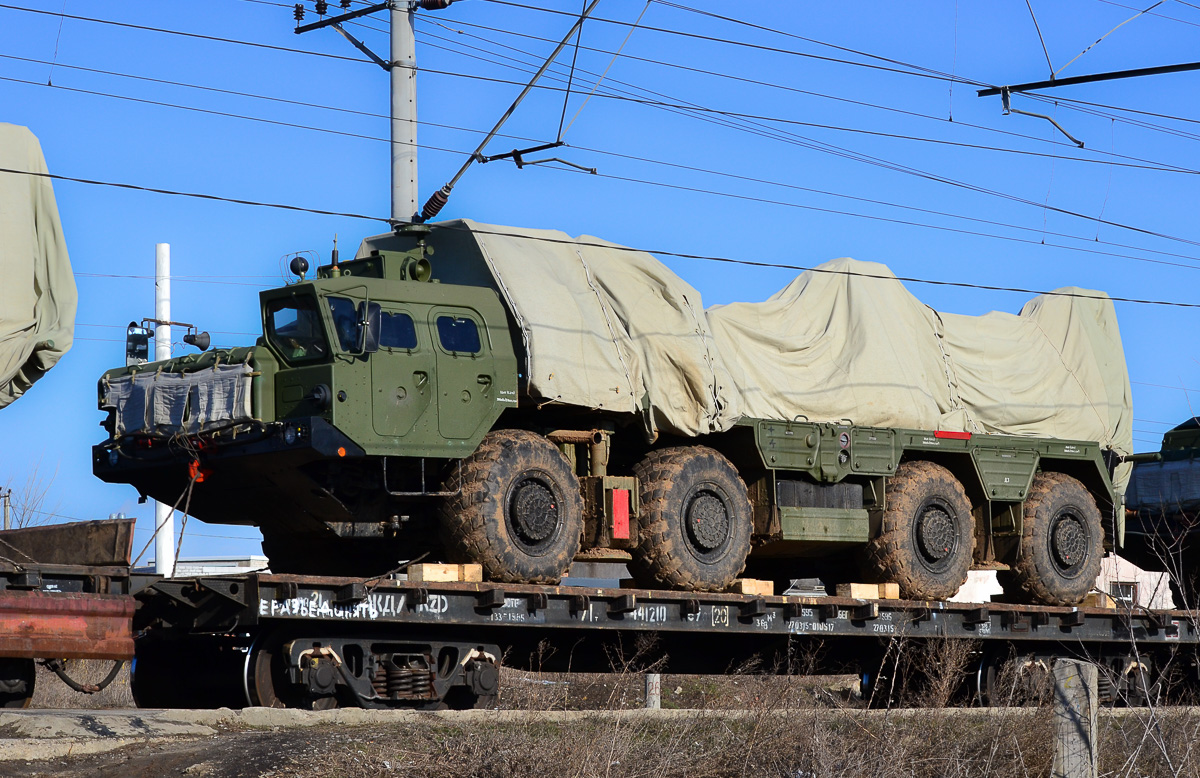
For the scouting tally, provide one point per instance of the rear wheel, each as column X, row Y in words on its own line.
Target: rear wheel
column 517, row 509
column 696, row 520
column 927, row 538
column 1062, row 541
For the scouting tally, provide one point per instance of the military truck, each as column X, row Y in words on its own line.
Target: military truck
column 1163, row 511
column 402, row 405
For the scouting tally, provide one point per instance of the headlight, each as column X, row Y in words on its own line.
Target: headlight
column 290, row 435
column 113, row 457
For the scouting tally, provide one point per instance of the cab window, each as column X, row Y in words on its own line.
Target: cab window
column 294, row 328
column 345, row 322
column 397, row 330
column 458, row 333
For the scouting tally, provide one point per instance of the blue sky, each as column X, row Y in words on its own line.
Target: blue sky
column 817, row 192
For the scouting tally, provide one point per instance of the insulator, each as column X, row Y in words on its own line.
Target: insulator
column 434, row 5
column 345, row 5
column 435, row 203
column 322, row 7
column 298, row 12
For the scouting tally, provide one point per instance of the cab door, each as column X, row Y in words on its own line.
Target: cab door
column 402, row 372
column 466, row 371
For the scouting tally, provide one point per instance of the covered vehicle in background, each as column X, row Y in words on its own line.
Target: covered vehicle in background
column 64, row 588
column 1162, row 524
column 37, row 297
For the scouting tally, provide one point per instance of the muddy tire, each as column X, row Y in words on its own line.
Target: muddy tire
column 695, row 521
column 1062, row 542
column 927, row 539
column 517, row 510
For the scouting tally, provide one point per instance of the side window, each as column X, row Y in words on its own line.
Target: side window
column 459, row 334
column 396, row 330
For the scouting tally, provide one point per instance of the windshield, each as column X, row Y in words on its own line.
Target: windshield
column 294, row 328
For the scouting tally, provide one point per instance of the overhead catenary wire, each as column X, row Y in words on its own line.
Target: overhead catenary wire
column 758, row 199
column 451, row 151
column 912, row 69
column 283, row 48
column 742, row 197
column 167, row 31
column 826, row 271
column 768, row 84
column 661, row 252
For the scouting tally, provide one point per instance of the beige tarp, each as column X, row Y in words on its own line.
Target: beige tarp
column 37, row 294
column 606, row 327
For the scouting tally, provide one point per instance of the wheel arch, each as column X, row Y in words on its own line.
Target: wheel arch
column 960, row 466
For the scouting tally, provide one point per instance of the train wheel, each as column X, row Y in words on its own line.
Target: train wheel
column 1014, row 680
column 696, row 520
column 267, row 683
column 199, row 671
column 927, row 540
column 517, row 509
column 16, row 682
column 1062, row 540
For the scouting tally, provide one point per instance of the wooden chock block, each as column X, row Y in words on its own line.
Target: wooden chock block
column 858, row 591
column 752, row 586
column 1099, row 600
column 430, row 572
column 889, row 591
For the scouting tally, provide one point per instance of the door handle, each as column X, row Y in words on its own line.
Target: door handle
column 486, row 382
column 421, row 378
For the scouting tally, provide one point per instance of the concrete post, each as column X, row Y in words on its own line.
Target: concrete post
column 1076, row 752
column 164, row 517
column 653, row 691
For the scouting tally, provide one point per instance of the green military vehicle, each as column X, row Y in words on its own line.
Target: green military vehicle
column 389, row 411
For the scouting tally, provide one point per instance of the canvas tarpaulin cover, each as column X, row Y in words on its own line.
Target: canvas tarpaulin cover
column 610, row 328
column 37, row 297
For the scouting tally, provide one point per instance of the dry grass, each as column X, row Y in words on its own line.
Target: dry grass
column 50, row 692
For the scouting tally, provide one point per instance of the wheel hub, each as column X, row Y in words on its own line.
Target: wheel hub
column 936, row 533
column 1069, row 542
column 707, row 522
column 534, row 511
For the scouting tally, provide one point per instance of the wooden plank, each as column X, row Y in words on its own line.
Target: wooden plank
column 889, row 591
column 1099, row 600
column 858, row 591
column 431, row 572
column 752, row 586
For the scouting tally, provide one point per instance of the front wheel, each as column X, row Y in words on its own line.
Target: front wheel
column 516, row 509
column 695, row 521
column 1062, row 541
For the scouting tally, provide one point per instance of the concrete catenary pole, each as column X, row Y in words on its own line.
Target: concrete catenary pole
column 164, row 517
column 404, row 112
column 1076, row 705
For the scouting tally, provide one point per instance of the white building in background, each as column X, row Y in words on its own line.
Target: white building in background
column 1120, row 579
column 190, row 567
